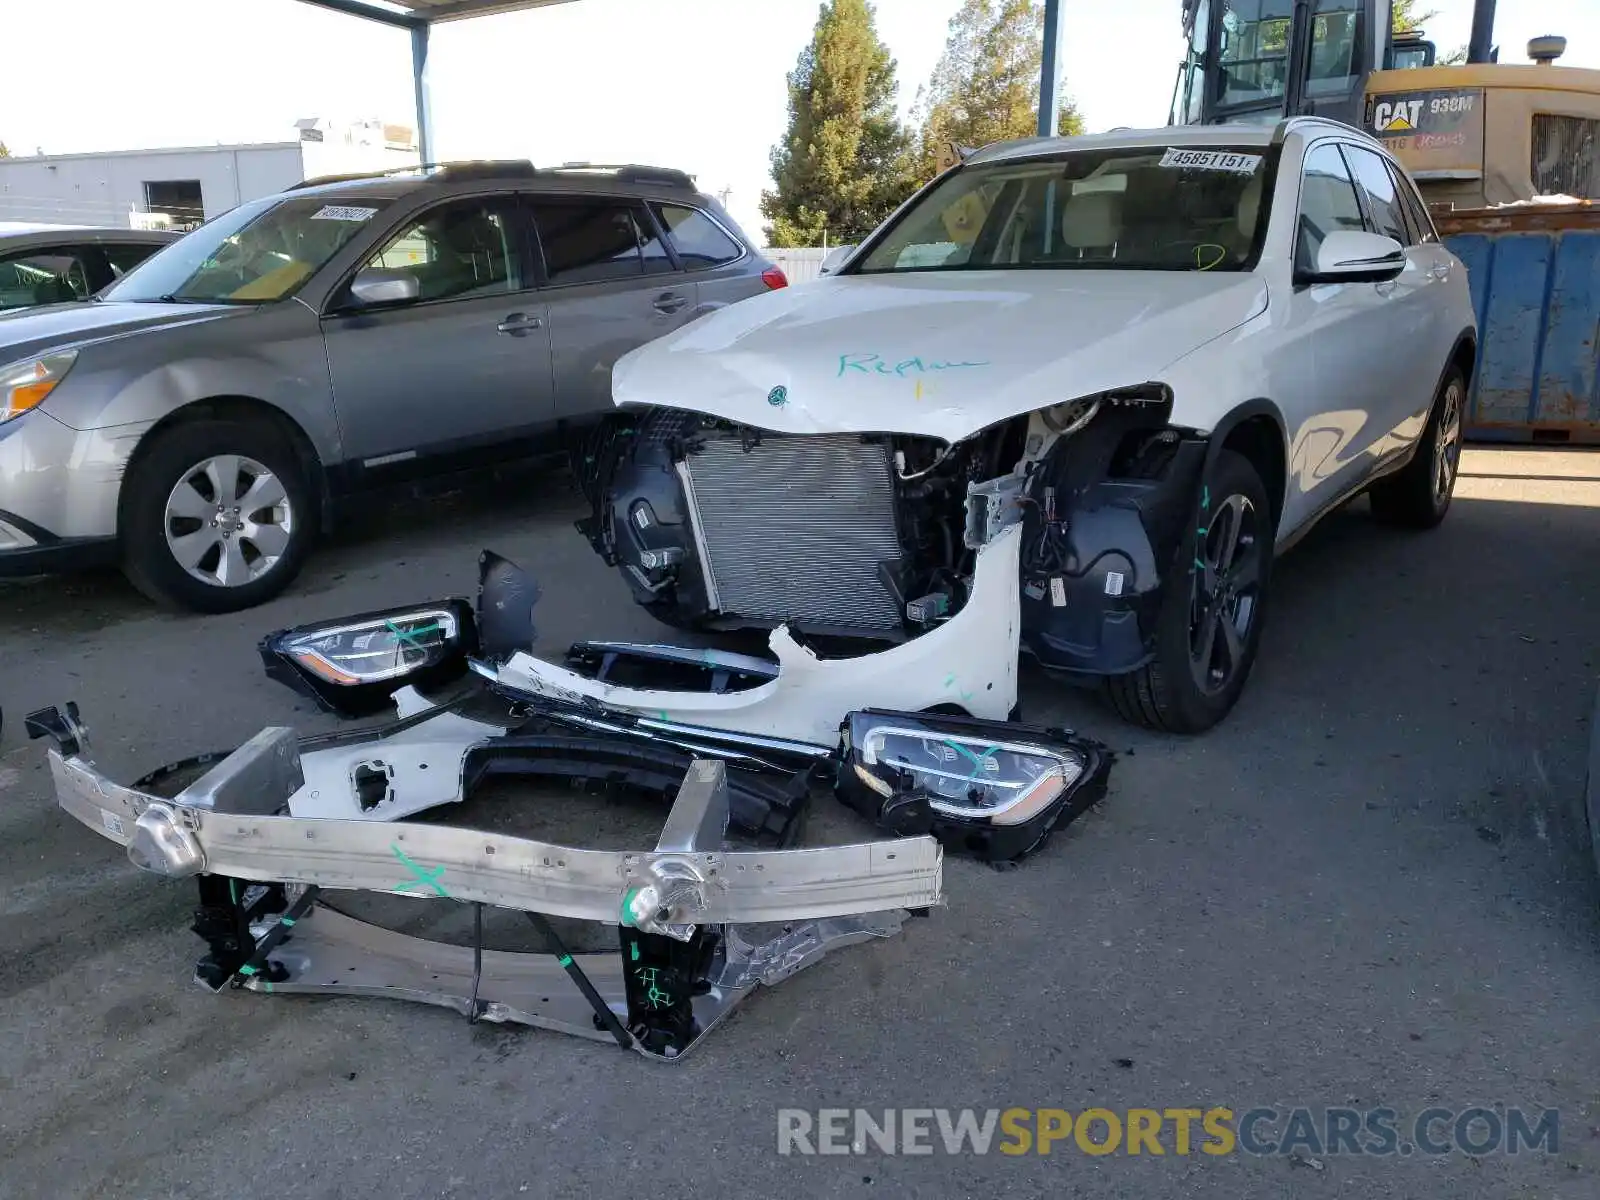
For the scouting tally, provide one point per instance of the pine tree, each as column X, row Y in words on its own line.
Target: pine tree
column 985, row 87
column 844, row 162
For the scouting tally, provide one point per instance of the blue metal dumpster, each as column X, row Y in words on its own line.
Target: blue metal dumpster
column 1534, row 271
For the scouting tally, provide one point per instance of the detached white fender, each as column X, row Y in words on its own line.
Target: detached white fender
column 970, row 661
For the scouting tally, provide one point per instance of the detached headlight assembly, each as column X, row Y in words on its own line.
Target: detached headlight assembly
column 352, row 666
column 990, row 787
column 24, row 385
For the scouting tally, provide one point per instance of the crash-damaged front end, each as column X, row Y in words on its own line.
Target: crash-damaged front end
column 730, row 746
column 872, row 537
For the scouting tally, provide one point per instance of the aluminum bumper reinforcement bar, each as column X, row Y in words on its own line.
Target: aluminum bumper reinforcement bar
column 688, row 911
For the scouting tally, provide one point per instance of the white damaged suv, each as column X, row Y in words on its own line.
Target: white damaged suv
column 1163, row 354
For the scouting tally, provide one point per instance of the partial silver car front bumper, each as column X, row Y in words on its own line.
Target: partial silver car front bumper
column 59, row 489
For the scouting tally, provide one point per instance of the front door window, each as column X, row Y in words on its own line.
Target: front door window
column 1328, row 202
column 460, row 249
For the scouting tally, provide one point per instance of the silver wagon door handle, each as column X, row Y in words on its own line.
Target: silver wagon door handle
column 1439, row 271
column 520, row 323
column 670, row 302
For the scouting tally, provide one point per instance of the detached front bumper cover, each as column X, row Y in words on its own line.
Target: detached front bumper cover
column 700, row 926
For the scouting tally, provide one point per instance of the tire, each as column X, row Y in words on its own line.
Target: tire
column 172, row 489
column 1418, row 495
column 1192, row 683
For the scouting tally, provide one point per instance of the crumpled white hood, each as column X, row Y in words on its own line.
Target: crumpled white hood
column 942, row 354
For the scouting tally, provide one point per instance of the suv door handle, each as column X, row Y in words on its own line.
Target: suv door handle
column 670, row 302
column 520, row 323
column 1439, row 271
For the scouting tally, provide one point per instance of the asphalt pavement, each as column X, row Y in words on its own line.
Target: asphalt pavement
column 1371, row 888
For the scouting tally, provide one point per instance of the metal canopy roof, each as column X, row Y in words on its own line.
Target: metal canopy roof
column 411, row 13
column 419, row 16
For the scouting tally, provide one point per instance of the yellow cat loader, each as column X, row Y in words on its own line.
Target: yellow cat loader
column 1483, row 134
column 1474, row 134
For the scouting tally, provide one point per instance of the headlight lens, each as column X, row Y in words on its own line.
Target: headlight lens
column 24, row 385
column 354, row 665
column 375, row 650
column 979, row 771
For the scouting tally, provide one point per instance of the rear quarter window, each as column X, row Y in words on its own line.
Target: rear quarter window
column 699, row 241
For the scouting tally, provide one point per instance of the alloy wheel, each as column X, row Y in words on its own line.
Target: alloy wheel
column 228, row 521
column 1447, row 442
column 1227, row 592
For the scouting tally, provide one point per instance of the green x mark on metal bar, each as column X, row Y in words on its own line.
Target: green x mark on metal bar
column 425, row 877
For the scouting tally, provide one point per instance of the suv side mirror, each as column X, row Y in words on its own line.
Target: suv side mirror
column 375, row 285
column 834, row 259
column 1355, row 256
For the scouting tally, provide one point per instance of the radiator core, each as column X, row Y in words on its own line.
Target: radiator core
column 794, row 530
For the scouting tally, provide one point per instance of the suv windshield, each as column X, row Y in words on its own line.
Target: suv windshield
column 256, row 253
column 1155, row 209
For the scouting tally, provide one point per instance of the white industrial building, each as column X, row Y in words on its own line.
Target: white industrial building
column 180, row 187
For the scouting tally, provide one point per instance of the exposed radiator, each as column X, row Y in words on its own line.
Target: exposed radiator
column 795, row 528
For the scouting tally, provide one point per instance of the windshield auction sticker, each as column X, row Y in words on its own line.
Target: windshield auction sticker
column 333, row 212
column 1211, row 160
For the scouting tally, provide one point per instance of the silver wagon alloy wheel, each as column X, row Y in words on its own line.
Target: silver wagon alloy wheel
column 228, row 521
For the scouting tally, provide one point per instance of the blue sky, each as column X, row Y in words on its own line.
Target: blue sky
column 691, row 83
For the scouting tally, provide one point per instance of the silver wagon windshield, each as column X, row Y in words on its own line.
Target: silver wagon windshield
column 1162, row 208
column 256, row 253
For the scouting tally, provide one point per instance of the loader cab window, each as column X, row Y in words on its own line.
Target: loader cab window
column 1335, row 27
column 1254, row 53
column 1189, row 101
column 1258, row 60
column 1408, row 50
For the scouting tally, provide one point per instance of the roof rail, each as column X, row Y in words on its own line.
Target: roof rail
column 488, row 168
column 473, row 169
column 634, row 173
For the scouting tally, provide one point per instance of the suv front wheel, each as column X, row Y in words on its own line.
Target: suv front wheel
column 216, row 516
column 1212, row 609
